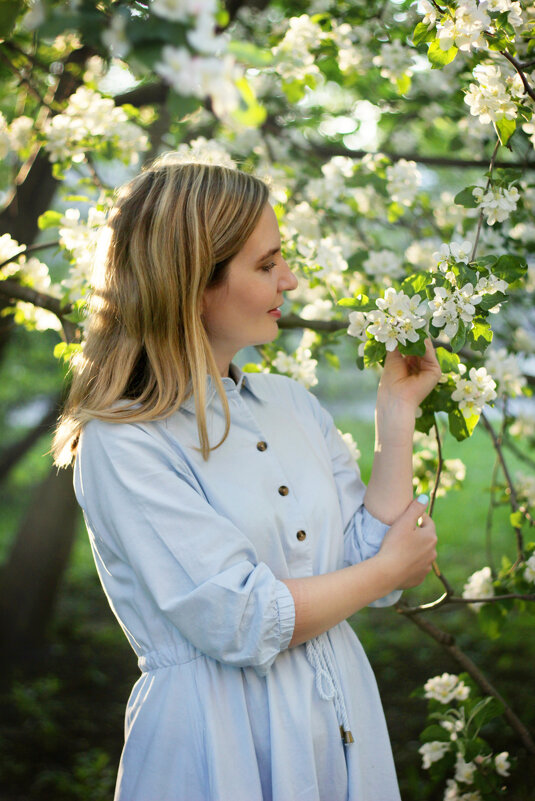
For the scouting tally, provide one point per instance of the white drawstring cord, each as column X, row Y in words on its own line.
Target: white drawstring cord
column 327, row 683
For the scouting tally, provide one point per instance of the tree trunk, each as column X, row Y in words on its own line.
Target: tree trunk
column 31, row 575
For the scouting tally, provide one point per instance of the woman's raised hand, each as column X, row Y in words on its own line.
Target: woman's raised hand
column 409, row 548
column 409, row 379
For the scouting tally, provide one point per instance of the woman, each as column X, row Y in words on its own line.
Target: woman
column 229, row 525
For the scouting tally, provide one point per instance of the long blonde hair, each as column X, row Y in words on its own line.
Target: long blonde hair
column 172, row 232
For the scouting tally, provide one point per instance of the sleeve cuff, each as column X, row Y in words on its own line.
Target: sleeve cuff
column 286, row 610
column 373, row 530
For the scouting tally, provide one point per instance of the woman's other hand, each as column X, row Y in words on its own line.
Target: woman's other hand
column 409, row 547
column 408, row 379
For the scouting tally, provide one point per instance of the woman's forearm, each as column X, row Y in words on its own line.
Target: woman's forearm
column 390, row 488
column 404, row 560
column 322, row 602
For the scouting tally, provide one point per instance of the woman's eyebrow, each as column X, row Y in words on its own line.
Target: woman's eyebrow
column 268, row 254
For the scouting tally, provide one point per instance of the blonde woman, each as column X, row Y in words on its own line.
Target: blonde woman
column 230, row 528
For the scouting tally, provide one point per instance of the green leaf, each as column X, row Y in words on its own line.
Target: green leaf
column 374, row 352
column 250, row 112
column 491, row 618
column 49, row 219
column 250, row 54
column 460, row 426
column 439, row 57
column 510, row 267
column 465, row 198
column 403, row 84
column 486, row 710
column 361, row 302
column 64, row 350
column 449, row 362
column 9, row 11
column 179, row 106
column 459, row 339
column 423, row 34
column 294, row 90
column 413, row 348
column 505, row 129
column 252, row 367
column 480, row 335
column 490, row 301
column 435, row 732
column 416, row 283
column 516, row 519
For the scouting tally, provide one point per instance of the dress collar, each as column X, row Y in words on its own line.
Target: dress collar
column 235, row 382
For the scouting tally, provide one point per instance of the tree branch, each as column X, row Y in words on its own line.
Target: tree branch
column 30, row 249
column 15, row 291
column 518, row 67
column 448, row 642
column 489, row 179
column 513, row 498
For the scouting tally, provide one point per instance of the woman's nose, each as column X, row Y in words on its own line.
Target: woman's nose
column 288, row 281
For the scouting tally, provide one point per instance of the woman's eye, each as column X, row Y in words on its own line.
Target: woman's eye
column 269, row 267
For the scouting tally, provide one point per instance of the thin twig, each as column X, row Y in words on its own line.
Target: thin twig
column 436, row 568
column 490, row 514
column 26, row 81
column 30, row 249
column 508, row 479
column 518, row 67
column 448, row 642
column 15, row 291
column 480, row 220
column 446, row 598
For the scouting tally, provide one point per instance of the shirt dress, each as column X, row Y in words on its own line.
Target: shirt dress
column 191, row 553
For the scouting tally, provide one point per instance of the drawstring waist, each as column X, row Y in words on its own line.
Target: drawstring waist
column 327, row 683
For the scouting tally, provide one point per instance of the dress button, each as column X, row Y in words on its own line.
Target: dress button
column 261, row 446
column 301, row 535
column 283, row 490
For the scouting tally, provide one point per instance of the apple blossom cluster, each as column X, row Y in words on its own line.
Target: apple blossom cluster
column 16, row 136
column 395, row 60
column 90, row 117
column 397, row 319
column 403, row 181
column 493, row 98
column 446, row 688
column 497, row 203
column 201, row 76
column 81, row 239
column 479, row 586
column 452, row 304
column 525, row 488
column 506, row 371
column 474, row 392
column 424, row 462
column 300, row 366
column 383, row 263
column 464, row 28
column 292, row 55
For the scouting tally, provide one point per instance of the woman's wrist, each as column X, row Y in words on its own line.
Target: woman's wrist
column 394, row 424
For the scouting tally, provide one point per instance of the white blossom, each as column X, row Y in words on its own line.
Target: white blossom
column 490, row 284
column 497, row 203
column 529, row 569
column 89, row 115
column 114, row 36
column 453, row 727
column 203, row 151
column 35, row 273
column 403, row 181
column 506, row 371
column 293, row 57
column 200, row 76
column 479, row 585
column 429, row 11
column 489, row 99
column 320, row 309
column 465, row 29
column 5, row 140
column 395, row 60
column 474, row 392
column 8, row 248
column 20, row 132
column 382, row 263
column 357, row 325
column 299, row 366
column 446, row 688
column 182, row 10
column 329, row 257
column 81, row 238
column 502, row 764
column 513, row 9
column 451, row 305
column 351, row 444
column 464, row 771
column 526, row 488
column 432, row 752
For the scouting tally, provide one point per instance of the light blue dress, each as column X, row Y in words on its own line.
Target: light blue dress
column 190, row 554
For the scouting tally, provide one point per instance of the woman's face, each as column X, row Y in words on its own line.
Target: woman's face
column 245, row 308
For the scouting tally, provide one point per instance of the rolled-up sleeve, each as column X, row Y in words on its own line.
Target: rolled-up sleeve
column 199, row 569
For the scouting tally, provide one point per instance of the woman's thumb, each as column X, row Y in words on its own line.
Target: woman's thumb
column 417, row 507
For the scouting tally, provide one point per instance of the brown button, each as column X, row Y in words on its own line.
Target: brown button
column 261, row 446
column 283, row 490
column 301, row 535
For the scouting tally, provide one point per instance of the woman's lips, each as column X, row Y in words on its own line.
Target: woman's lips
column 275, row 313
